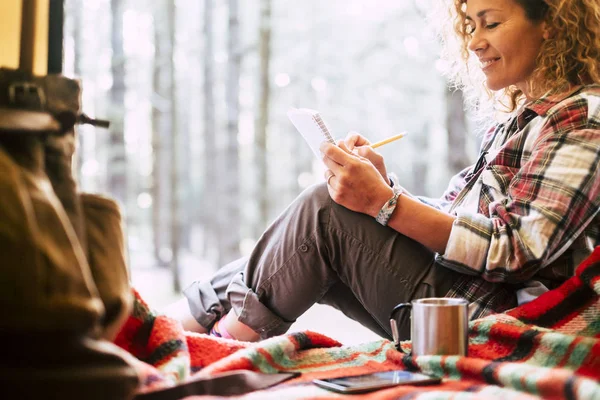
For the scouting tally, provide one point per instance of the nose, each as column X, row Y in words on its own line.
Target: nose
column 477, row 42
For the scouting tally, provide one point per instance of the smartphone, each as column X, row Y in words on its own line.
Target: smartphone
column 375, row 381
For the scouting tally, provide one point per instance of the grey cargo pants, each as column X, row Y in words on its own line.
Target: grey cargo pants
column 317, row 251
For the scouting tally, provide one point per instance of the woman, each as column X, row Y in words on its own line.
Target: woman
column 508, row 228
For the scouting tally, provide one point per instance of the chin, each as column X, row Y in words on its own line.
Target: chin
column 494, row 86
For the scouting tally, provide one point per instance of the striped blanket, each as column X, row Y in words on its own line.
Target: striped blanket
column 548, row 348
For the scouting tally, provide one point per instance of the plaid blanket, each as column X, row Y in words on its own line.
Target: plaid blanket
column 548, row 348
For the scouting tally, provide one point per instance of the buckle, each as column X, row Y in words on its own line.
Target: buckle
column 26, row 95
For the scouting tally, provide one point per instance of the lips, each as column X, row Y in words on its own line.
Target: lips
column 487, row 62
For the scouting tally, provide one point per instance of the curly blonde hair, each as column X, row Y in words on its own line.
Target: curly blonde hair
column 570, row 57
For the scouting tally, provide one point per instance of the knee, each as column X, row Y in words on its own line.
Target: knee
column 315, row 195
column 312, row 206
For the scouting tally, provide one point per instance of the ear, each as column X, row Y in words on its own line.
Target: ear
column 547, row 31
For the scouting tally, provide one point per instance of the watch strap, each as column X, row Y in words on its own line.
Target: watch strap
column 388, row 208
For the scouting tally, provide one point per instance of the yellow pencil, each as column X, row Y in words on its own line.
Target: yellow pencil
column 388, row 140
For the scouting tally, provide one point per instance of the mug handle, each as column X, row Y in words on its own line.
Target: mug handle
column 394, row 323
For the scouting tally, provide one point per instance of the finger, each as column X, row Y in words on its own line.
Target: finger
column 342, row 145
column 351, row 138
column 357, row 139
column 373, row 156
column 368, row 152
column 333, row 156
column 330, row 180
column 329, row 177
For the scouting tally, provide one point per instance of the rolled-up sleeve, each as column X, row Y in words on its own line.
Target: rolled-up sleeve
column 527, row 221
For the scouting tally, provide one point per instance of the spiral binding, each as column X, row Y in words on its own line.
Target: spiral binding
column 317, row 118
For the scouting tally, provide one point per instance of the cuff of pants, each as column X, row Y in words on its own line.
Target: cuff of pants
column 251, row 312
column 206, row 308
column 204, row 303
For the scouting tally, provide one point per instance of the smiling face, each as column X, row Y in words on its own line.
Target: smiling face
column 505, row 41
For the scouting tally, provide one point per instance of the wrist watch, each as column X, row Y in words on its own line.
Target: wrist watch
column 388, row 208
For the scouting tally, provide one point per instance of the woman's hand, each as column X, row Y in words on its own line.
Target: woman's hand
column 358, row 144
column 356, row 182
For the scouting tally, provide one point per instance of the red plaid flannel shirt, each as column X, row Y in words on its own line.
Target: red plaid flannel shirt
column 528, row 210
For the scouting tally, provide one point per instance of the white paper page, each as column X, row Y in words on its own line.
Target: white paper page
column 306, row 122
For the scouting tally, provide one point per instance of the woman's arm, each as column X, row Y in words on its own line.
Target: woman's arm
column 544, row 208
column 552, row 198
column 360, row 186
column 425, row 224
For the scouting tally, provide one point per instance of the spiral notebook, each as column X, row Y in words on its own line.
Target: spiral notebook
column 311, row 126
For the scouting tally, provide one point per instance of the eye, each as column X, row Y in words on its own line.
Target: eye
column 492, row 26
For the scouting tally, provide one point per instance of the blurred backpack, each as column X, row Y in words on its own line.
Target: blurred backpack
column 64, row 282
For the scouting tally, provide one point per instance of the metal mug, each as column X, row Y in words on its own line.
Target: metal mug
column 439, row 326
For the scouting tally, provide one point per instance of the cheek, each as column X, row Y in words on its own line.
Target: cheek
column 529, row 55
column 530, row 46
column 523, row 56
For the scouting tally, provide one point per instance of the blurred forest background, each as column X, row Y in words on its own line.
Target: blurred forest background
column 200, row 152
